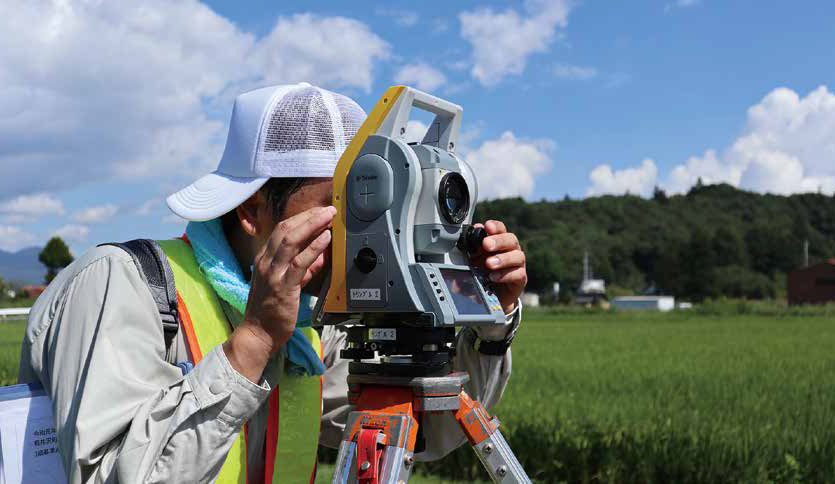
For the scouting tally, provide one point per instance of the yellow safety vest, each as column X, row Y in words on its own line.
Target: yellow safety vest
column 293, row 423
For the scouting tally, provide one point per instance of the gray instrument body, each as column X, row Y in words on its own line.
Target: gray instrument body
column 401, row 253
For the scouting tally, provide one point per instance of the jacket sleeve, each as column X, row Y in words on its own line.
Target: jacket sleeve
column 488, row 378
column 123, row 413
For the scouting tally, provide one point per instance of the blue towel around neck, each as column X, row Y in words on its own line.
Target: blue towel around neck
column 218, row 263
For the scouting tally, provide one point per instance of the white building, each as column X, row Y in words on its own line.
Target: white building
column 530, row 299
column 646, row 303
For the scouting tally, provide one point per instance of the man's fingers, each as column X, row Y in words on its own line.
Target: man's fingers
column 287, row 226
column 513, row 275
column 297, row 237
column 314, row 268
column 299, row 265
column 495, row 227
column 514, row 258
column 500, row 243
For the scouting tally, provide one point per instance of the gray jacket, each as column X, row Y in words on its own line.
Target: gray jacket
column 125, row 413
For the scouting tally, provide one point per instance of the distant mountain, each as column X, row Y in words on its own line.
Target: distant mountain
column 22, row 267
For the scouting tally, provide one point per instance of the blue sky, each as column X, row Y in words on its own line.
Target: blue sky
column 109, row 108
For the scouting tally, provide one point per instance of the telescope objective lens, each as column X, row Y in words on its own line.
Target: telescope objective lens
column 454, row 198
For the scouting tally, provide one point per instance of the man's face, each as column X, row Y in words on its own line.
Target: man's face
column 316, row 192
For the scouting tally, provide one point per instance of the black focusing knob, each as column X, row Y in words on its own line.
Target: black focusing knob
column 366, row 260
column 471, row 239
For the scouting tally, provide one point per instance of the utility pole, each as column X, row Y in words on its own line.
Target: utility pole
column 806, row 253
column 586, row 267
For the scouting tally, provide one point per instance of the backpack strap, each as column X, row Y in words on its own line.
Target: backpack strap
column 155, row 270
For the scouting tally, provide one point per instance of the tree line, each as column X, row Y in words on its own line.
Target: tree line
column 714, row 241
column 54, row 256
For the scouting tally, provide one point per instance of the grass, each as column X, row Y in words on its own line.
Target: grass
column 17, row 303
column 11, row 334
column 684, row 397
column 731, row 392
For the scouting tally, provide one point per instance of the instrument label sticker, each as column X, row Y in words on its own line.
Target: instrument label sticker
column 382, row 334
column 368, row 294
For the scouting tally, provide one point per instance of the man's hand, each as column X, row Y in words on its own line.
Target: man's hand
column 290, row 258
column 504, row 260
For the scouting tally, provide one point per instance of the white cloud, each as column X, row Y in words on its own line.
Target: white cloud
column 402, row 17
column 329, row 51
column 637, row 181
column 73, row 232
column 93, row 90
column 95, row 214
column 13, row 238
column 687, row 3
column 508, row 166
column 787, row 146
column 173, row 219
column 26, row 207
column 146, row 207
column 420, row 75
column 415, row 130
column 503, row 41
column 130, row 89
column 574, row 73
column 15, row 219
column 681, row 4
column 708, row 167
column 440, row 25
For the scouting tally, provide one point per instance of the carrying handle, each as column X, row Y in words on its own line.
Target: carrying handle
column 445, row 128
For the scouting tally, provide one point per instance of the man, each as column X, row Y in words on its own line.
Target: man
column 132, row 407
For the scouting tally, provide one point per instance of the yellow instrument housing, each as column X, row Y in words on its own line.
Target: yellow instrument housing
column 336, row 300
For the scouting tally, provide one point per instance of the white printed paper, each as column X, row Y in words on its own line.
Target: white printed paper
column 28, row 442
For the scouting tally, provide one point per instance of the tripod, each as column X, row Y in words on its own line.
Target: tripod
column 380, row 435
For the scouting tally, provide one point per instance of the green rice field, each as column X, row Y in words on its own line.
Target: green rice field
column 730, row 392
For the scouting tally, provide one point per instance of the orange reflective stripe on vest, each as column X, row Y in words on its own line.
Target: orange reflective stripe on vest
column 294, row 405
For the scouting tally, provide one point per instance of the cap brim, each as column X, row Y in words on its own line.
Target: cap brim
column 212, row 196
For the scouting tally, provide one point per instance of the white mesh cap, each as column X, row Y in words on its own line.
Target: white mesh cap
column 294, row 130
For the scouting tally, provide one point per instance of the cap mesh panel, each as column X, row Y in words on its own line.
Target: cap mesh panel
column 352, row 116
column 300, row 121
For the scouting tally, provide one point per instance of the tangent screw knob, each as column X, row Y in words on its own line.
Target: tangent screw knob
column 502, row 471
column 365, row 466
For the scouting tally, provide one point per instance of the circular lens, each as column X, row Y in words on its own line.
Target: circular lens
column 454, row 198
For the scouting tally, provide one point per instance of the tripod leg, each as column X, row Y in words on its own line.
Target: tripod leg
column 379, row 438
column 488, row 443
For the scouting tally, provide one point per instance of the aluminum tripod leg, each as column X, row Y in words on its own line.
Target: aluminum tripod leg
column 488, row 443
column 379, row 439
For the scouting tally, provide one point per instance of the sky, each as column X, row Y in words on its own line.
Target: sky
column 108, row 107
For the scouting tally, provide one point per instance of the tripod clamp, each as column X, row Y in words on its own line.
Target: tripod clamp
column 380, row 434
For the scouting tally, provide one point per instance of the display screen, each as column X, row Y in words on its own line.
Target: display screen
column 465, row 294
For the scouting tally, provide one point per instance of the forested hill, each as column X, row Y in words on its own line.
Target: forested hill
column 715, row 240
